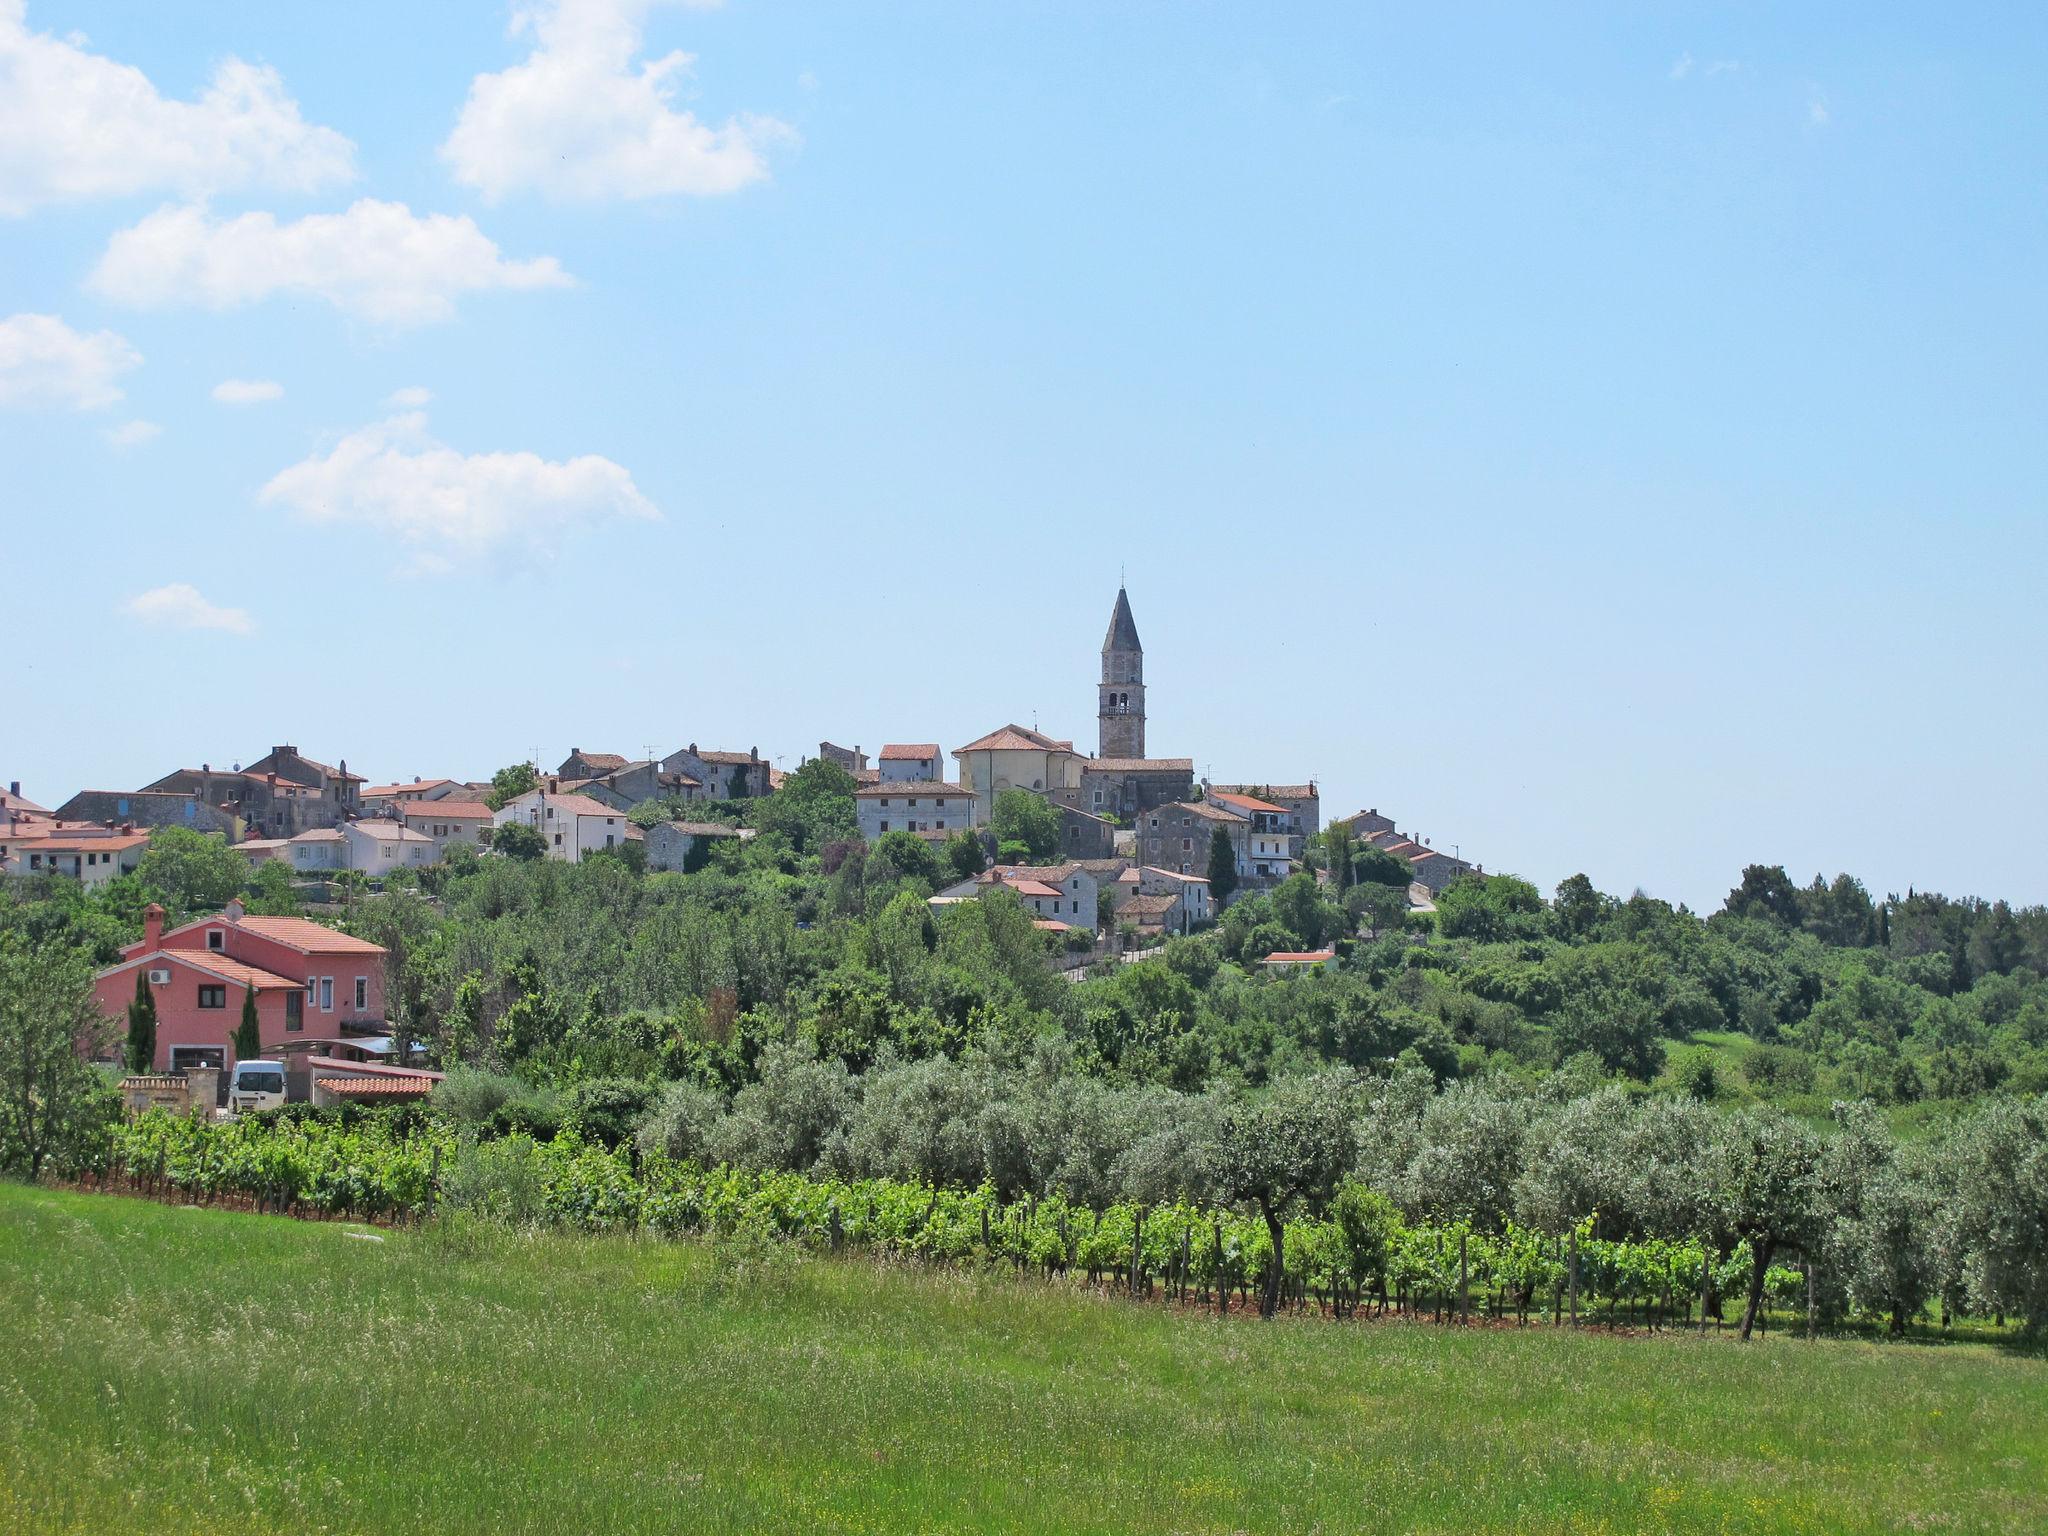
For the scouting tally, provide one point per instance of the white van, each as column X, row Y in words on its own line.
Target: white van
column 256, row 1086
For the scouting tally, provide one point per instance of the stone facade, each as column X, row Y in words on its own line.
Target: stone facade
column 1302, row 802
column 917, row 805
column 150, row 808
column 1083, row 836
column 1120, row 697
column 676, row 845
column 1127, row 787
column 724, row 775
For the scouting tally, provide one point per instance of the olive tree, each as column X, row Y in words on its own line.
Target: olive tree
column 1291, row 1147
column 52, row 1100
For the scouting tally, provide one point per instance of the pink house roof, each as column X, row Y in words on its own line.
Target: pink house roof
column 912, row 751
column 1247, row 802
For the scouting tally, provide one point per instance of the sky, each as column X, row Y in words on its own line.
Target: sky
column 1607, row 440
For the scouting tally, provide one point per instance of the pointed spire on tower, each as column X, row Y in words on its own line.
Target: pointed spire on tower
column 1123, row 629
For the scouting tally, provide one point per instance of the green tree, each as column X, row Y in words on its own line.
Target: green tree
column 52, row 1100
column 509, row 783
column 192, row 871
column 516, row 840
column 1222, row 867
column 1339, row 847
column 249, row 1032
column 1767, row 1185
column 1287, row 1149
column 1578, row 907
column 1376, row 866
column 273, row 893
column 140, row 1050
column 1023, row 817
column 813, row 807
column 964, row 855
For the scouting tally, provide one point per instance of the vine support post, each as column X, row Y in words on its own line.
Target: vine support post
column 1573, row 1266
column 1812, row 1304
column 1464, row 1283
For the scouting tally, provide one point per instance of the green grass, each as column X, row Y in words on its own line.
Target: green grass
column 186, row 1370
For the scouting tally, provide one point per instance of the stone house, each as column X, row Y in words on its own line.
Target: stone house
column 853, row 760
column 1065, row 893
column 1190, row 892
column 915, row 805
column 909, row 760
column 377, row 797
column 580, row 764
column 723, row 775
column 1365, row 823
column 1127, row 787
column 152, row 808
column 684, row 845
column 1085, row 836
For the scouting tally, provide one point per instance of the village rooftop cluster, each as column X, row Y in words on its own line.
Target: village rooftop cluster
column 1136, row 839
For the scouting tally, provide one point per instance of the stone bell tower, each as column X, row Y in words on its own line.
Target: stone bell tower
column 1120, row 701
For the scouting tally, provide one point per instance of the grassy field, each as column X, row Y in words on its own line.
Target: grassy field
column 184, row 1370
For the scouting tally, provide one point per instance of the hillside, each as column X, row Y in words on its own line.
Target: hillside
column 174, row 1370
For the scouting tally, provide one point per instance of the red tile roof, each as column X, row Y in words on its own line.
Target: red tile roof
column 728, row 759
column 377, row 1087
column 457, row 810
column 1015, row 738
column 1139, row 765
column 88, row 842
column 908, row 787
column 305, row 934
column 913, row 751
column 602, row 761
column 393, row 791
column 1032, row 888
column 1299, row 957
column 1051, row 925
column 1247, row 802
column 14, row 802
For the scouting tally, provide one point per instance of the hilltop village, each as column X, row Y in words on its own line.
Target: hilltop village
column 1110, row 852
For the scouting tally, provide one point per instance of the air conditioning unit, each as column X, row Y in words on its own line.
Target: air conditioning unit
column 160, row 978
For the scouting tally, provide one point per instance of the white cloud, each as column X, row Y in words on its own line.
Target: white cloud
column 1685, row 64
column 410, row 398
column 247, row 391
column 132, row 434
column 446, row 508
column 378, row 260
column 583, row 117
column 77, row 125
column 45, row 362
column 179, row 606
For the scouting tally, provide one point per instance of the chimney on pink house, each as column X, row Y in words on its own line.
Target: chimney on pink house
column 152, row 925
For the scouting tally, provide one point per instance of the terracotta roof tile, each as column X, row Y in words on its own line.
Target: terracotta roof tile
column 907, row 788
column 913, row 751
column 1015, row 738
column 1299, row 957
column 1139, row 765
column 456, row 810
column 1247, row 803
column 377, row 1087
column 394, row 791
column 242, row 975
column 303, row 933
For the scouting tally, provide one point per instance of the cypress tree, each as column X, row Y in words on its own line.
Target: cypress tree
column 248, row 1033
column 142, row 1025
column 1222, row 867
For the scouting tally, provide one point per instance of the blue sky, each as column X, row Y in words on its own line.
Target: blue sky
column 1606, row 441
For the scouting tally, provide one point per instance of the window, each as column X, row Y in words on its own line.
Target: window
column 885, row 826
column 213, row 997
column 558, row 839
column 216, row 940
column 294, row 1011
column 362, row 993
column 327, row 994
column 1187, row 845
column 911, row 802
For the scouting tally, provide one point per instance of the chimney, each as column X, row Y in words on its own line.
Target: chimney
column 14, row 786
column 152, row 925
column 754, row 754
column 415, row 778
column 693, row 749
column 554, row 786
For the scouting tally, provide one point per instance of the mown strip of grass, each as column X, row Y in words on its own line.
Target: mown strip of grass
column 165, row 1369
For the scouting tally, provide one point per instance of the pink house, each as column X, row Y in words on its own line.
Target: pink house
column 310, row 982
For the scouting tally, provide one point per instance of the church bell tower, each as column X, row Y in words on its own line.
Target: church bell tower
column 1120, row 700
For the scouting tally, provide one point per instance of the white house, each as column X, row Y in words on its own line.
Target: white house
column 572, row 825
column 321, row 848
column 1192, row 891
column 90, row 855
column 448, row 822
column 911, row 762
column 377, row 845
column 1063, row 892
column 915, row 805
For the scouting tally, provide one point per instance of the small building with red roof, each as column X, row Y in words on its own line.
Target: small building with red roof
column 308, row 980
